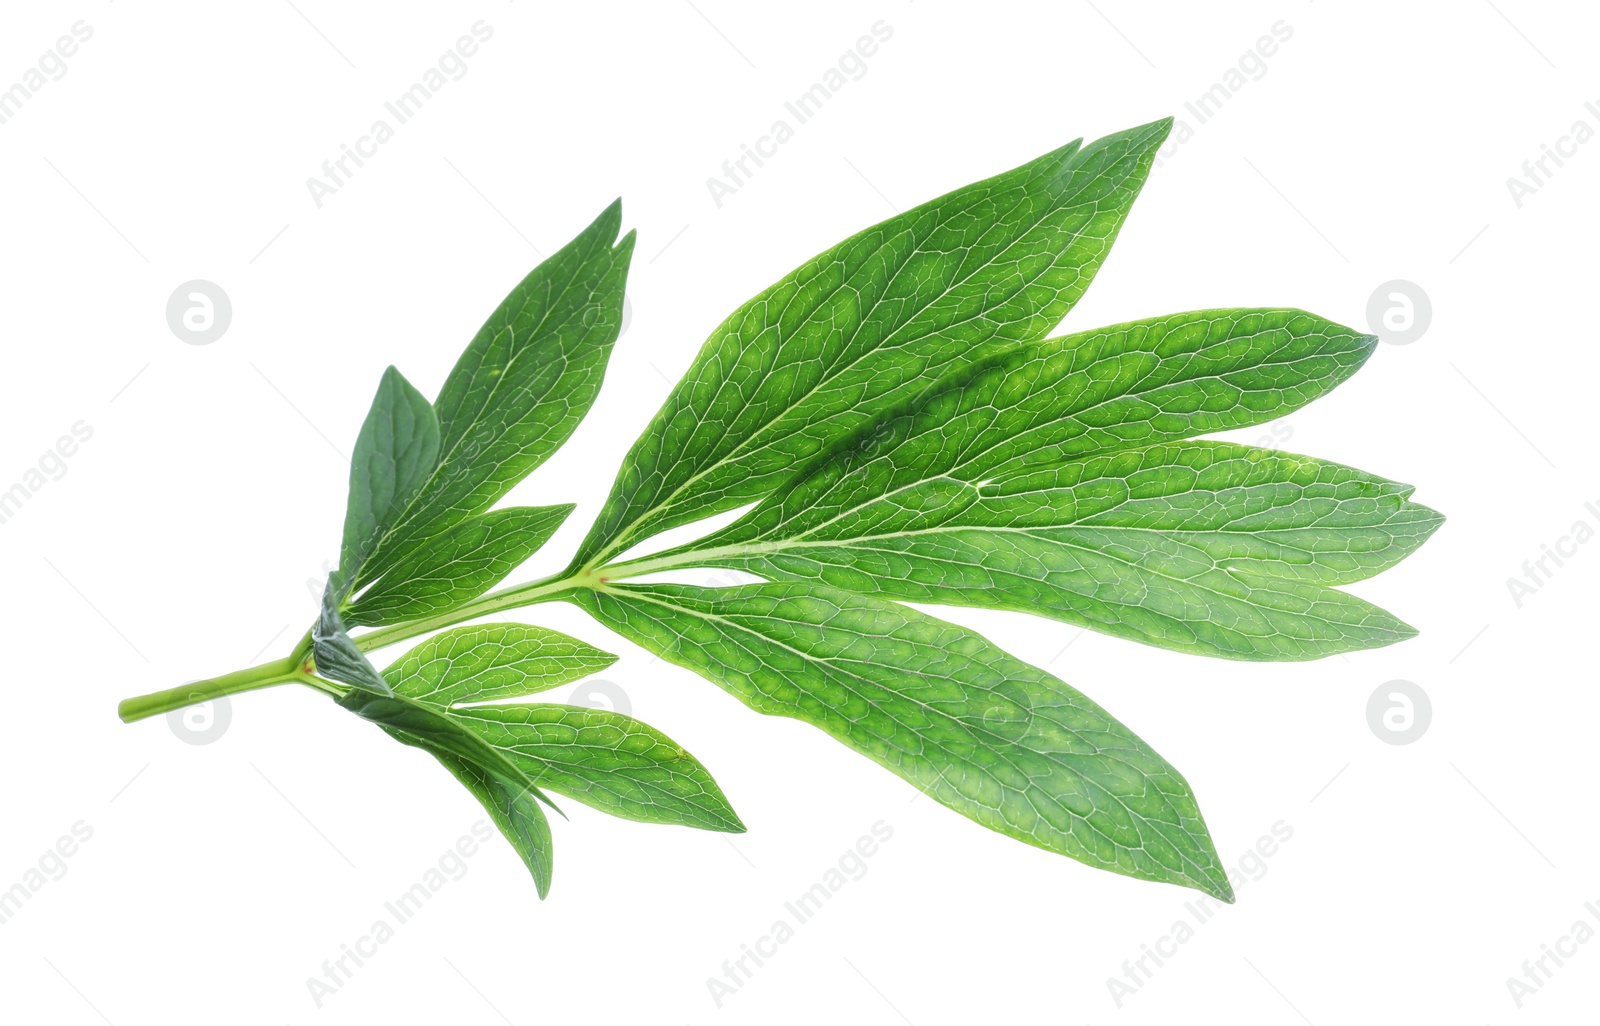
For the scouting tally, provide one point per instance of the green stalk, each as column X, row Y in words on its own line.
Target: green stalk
column 494, row 602
column 296, row 667
column 266, row 675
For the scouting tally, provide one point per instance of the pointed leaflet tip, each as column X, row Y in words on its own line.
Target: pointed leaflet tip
column 1361, row 343
column 1210, row 876
column 1146, row 137
column 608, row 224
column 597, row 238
column 1155, row 131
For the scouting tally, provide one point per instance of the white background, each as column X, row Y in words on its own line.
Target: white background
column 181, row 539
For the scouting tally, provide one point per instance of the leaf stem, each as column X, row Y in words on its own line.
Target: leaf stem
column 267, row 675
column 295, row 667
column 540, row 591
column 676, row 559
column 494, row 602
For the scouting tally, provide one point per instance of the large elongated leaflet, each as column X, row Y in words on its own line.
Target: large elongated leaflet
column 869, row 323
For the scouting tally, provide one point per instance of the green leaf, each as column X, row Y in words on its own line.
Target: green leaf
column 458, row 564
column 513, row 808
column 902, row 431
column 991, row 737
column 870, row 323
column 606, row 760
column 503, row 789
column 395, row 453
column 524, row 382
column 1047, row 483
column 601, row 758
column 490, row 662
column 430, row 725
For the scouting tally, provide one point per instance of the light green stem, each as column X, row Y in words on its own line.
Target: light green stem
column 484, row 605
column 294, row 668
column 264, row 676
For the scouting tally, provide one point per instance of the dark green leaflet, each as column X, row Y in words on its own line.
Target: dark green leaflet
column 513, row 808
column 517, row 393
column 459, row 563
column 606, row 760
column 395, row 452
column 509, row 799
column 601, row 758
column 870, row 323
column 491, row 662
column 995, row 739
column 522, row 385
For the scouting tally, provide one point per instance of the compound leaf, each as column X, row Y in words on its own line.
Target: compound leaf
column 903, row 431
